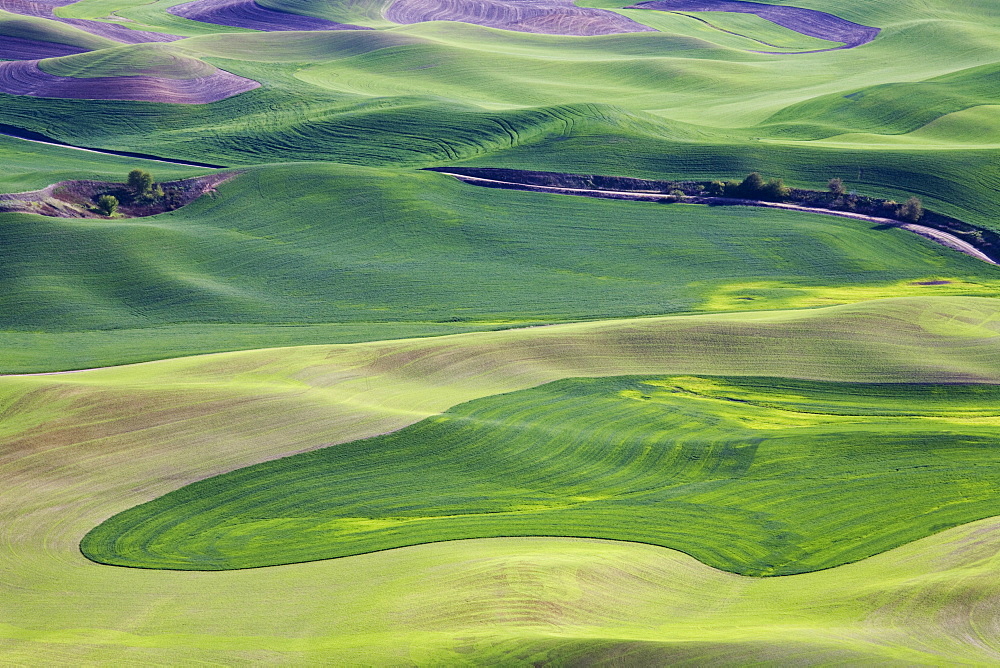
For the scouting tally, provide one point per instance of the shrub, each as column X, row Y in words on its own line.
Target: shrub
column 836, row 186
column 732, row 189
column 107, row 205
column 677, row 195
column 141, row 183
column 774, row 190
column 911, row 210
column 716, row 189
column 752, row 184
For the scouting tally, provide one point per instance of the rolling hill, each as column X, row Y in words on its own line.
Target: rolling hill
column 191, row 418
column 344, row 410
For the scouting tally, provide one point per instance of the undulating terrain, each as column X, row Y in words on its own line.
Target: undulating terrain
column 277, row 387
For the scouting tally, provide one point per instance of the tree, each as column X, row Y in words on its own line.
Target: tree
column 836, row 186
column 107, row 205
column 732, row 189
column 911, row 210
column 716, row 189
column 774, row 190
column 752, row 184
column 141, row 183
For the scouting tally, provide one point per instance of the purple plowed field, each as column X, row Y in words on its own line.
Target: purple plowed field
column 550, row 17
column 25, row 78
column 248, row 14
column 18, row 48
column 118, row 33
column 109, row 30
column 806, row 21
column 29, row 8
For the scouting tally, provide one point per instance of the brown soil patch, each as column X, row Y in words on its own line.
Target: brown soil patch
column 76, row 199
column 26, row 78
column 550, row 17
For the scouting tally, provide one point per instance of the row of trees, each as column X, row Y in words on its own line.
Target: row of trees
column 752, row 187
column 774, row 190
column 911, row 210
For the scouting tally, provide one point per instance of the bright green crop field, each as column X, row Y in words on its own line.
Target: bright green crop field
column 342, row 410
column 754, row 476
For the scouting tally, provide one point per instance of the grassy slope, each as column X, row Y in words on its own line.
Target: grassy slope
column 753, row 476
column 157, row 60
column 313, row 244
column 376, row 108
column 356, row 12
column 45, row 30
column 142, row 15
column 30, row 166
column 467, row 601
column 40, row 352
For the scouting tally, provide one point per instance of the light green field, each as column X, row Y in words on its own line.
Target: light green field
column 136, row 60
column 976, row 125
column 39, row 352
column 467, row 601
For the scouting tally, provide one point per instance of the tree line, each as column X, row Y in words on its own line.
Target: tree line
column 837, row 197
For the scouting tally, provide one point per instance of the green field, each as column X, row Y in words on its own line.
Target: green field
column 433, row 93
column 101, row 442
column 332, row 249
column 758, row 476
column 138, row 59
column 345, row 411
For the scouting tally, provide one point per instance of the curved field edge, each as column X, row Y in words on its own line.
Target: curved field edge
column 554, row 600
column 59, row 352
column 88, row 445
column 691, row 192
column 756, row 476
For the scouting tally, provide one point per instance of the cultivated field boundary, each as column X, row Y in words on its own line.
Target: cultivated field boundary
column 939, row 236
